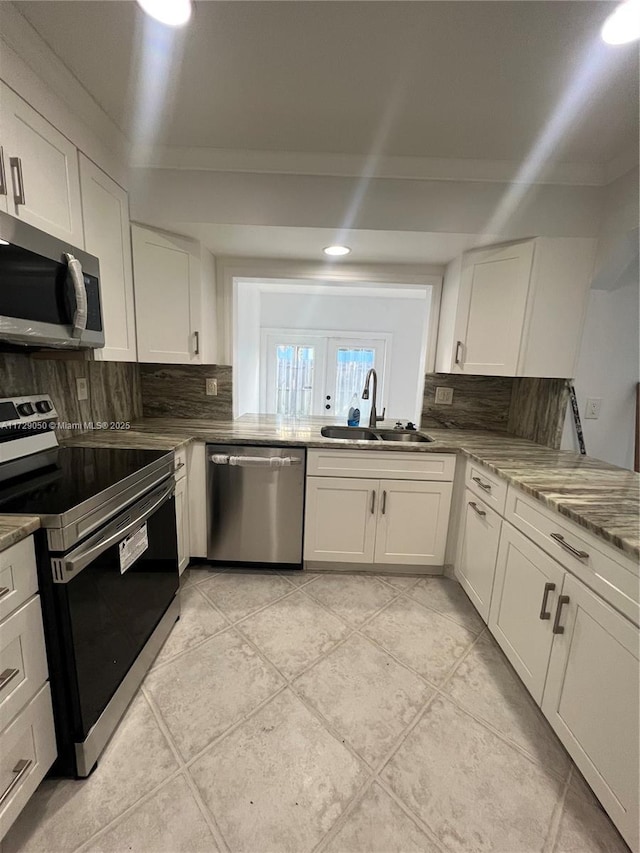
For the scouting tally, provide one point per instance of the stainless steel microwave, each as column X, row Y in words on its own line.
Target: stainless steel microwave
column 49, row 290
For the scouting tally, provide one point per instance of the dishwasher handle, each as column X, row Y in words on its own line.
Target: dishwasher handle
column 255, row 461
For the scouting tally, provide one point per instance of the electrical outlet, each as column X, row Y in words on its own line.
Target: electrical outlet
column 82, row 389
column 211, row 387
column 592, row 408
column 444, row 396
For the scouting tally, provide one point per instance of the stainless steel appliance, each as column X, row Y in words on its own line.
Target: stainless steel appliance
column 107, row 566
column 255, row 504
column 49, row 290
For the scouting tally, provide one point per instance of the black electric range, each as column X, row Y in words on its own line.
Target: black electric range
column 107, row 568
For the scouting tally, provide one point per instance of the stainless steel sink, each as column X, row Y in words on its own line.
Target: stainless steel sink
column 408, row 435
column 349, row 433
column 365, row 434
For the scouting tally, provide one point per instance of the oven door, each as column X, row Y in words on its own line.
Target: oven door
column 110, row 594
column 46, row 298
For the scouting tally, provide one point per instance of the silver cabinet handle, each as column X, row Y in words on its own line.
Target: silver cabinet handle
column 3, row 174
column 373, row 502
column 15, row 164
column 4, row 590
column 458, row 358
column 384, row 502
column 179, row 466
column 20, row 769
column 196, row 349
column 475, row 506
column 557, row 627
column 559, row 538
column 485, row 486
column 6, row 676
column 544, row 613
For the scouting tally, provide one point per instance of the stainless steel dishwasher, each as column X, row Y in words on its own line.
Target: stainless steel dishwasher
column 255, row 504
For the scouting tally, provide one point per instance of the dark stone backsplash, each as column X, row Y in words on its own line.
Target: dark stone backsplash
column 178, row 391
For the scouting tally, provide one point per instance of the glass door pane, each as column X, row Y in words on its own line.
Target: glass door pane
column 349, row 362
column 294, row 380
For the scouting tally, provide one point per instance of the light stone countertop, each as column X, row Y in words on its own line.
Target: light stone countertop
column 596, row 495
column 14, row 528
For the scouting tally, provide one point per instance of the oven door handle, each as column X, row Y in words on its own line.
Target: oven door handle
column 79, row 559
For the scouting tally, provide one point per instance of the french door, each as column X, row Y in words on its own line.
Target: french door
column 311, row 373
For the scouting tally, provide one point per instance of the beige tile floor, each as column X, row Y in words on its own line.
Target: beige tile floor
column 327, row 713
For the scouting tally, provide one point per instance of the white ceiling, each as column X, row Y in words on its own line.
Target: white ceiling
column 307, row 243
column 423, row 79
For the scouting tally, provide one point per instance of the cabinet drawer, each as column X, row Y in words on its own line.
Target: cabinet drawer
column 476, row 564
column 381, row 464
column 602, row 568
column 18, row 576
column 23, row 661
column 180, row 463
column 27, row 751
column 486, row 485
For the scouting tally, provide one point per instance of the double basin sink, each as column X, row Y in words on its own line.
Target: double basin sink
column 409, row 436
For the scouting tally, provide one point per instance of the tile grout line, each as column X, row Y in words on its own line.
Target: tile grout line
column 208, row 817
column 556, row 818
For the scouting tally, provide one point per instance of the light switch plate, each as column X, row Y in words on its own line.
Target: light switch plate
column 592, row 408
column 211, row 387
column 444, row 396
column 82, row 389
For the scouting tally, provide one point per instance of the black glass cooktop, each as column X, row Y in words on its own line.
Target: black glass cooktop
column 71, row 476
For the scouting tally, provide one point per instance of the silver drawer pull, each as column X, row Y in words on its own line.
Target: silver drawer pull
column 6, row 676
column 15, row 165
column 559, row 538
column 474, row 506
column 4, row 590
column 179, row 466
column 485, row 486
column 373, row 502
column 384, row 502
column 20, row 769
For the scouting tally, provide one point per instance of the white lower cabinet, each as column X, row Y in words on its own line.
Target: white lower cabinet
column 182, row 524
column 412, row 522
column 362, row 520
column 478, row 551
column 591, row 700
column 525, row 593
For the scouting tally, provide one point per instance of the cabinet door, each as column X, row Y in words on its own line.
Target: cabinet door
column 340, row 519
column 526, row 579
column 182, row 523
column 412, row 522
column 490, row 319
column 41, row 166
column 167, row 296
column 476, row 565
column 105, row 213
column 591, row 700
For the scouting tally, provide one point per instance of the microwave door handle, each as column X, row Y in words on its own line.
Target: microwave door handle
column 77, row 560
column 74, row 268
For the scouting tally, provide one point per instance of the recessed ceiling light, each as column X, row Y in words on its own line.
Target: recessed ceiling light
column 623, row 24
column 174, row 13
column 336, row 251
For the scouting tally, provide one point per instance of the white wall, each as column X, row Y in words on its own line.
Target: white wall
column 608, row 366
column 406, row 319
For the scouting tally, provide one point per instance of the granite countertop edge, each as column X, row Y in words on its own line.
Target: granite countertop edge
column 518, row 461
column 15, row 528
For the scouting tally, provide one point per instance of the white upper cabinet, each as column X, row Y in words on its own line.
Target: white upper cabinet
column 175, row 324
column 105, row 213
column 40, row 171
column 516, row 309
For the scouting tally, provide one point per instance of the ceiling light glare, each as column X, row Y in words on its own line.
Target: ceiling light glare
column 173, row 13
column 4, row 242
column 336, row 251
column 623, row 24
